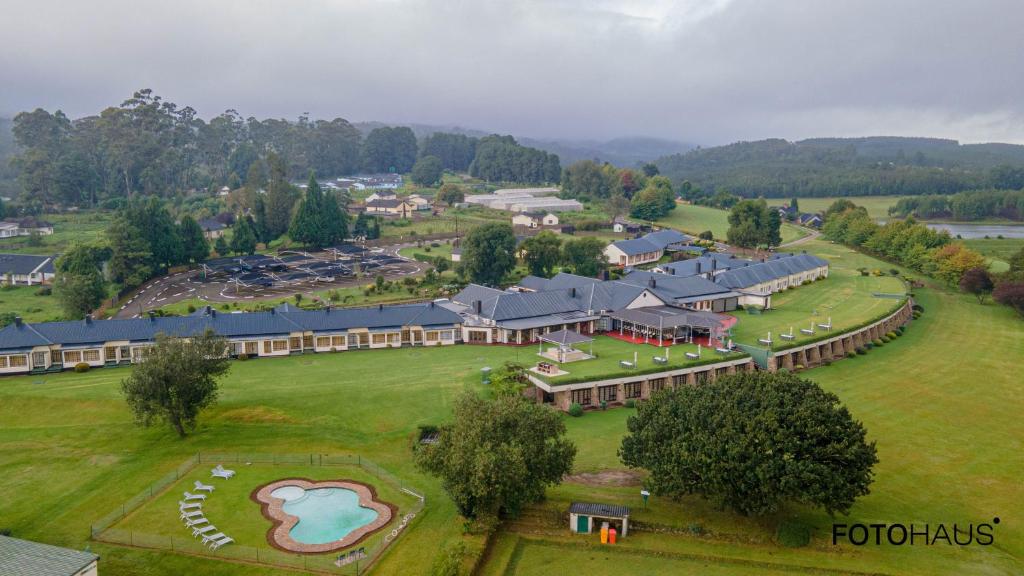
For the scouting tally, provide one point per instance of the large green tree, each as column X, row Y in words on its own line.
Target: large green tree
column 194, row 244
column 130, row 257
column 488, row 253
column 78, row 283
column 752, row 223
column 280, row 199
column 498, row 455
column 585, row 256
column 655, row 200
column 427, row 171
column 318, row 220
column 451, row 194
column 542, row 253
column 751, row 442
column 243, row 236
column 389, row 149
column 177, row 380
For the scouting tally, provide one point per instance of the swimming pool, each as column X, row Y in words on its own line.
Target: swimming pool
column 321, row 516
column 325, row 514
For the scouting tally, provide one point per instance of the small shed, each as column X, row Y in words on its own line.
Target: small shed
column 582, row 516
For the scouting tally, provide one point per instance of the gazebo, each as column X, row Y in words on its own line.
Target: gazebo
column 564, row 346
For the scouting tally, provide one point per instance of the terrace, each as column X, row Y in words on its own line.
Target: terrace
column 609, row 352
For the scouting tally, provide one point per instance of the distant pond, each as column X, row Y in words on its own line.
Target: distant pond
column 981, row 230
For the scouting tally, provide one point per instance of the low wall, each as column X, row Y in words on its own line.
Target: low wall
column 807, row 355
column 837, row 347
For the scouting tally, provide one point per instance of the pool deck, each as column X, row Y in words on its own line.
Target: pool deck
column 279, row 536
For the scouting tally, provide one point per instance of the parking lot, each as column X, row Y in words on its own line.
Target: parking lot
column 268, row 276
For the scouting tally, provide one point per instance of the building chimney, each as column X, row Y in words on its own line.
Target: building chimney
column 431, row 303
column 17, row 321
column 698, row 266
column 380, row 307
column 88, row 319
column 273, row 310
column 478, row 306
column 572, row 291
column 152, row 316
column 213, row 313
column 208, row 309
column 714, row 264
column 652, row 282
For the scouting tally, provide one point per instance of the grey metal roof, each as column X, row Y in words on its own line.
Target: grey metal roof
column 603, row 510
column 533, row 282
column 663, row 238
column 282, row 321
column 474, row 292
column 670, row 317
column 673, row 287
column 636, row 246
column 24, row 558
column 211, row 224
column 26, row 264
column 769, row 270
column 565, row 337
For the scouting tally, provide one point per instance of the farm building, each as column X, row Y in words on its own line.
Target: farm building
column 26, row 269
column 643, row 250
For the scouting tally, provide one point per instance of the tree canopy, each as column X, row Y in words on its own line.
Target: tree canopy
column 427, row 171
column 542, row 253
column 78, row 283
column 502, row 159
column 488, row 253
column 177, row 380
column 318, row 220
column 751, row 442
column 585, row 256
column 752, row 223
column 498, row 455
column 389, row 149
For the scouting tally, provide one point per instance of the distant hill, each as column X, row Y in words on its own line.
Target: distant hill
column 623, row 152
column 817, row 167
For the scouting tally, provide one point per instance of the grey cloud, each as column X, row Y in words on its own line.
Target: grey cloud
column 702, row 71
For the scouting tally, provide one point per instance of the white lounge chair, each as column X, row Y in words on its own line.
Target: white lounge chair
column 190, row 515
column 191, row 496
column 189, row 505
column 218, row 543
column 200, row 487
column 198, row 521
column 220, row 472
column 211, row 537
column 196, row 532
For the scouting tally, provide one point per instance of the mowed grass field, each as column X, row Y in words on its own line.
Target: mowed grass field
column 942, row 402
column 877, row 206
column 694, row 219
column 68, row 229
column 997, row 250
column 845, row 296
column 25, row 301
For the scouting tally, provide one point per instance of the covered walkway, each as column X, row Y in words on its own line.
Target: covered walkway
column 667, row 325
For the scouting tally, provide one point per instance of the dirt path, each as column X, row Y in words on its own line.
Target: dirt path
column 606, row 478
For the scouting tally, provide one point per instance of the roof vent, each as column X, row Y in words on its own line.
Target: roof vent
column 572, row 291
column 273, row 311
column 431, row 303
column 698, row 267
column 380, row 307
column 652, row 282
column 213, row 313
column 88, row 318
column 17, row 320
column 152, row 316
column 208, row 309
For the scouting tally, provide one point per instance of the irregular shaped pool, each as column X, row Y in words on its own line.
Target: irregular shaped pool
column 325, row 514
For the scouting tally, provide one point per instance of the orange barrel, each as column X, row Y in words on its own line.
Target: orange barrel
column 604, row 533
column 611, row 536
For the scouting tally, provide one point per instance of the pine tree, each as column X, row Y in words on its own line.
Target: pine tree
column 195, row 246
column 335, row 221
column 309, row 224
column 221, row 246
column 259, row 214
column 243, row 238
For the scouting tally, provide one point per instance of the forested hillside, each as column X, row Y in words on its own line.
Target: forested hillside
column 848, row 167
column 8, row 186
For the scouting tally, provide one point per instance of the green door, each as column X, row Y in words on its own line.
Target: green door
column 583, row 524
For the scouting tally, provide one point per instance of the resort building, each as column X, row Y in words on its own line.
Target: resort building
column 55, row 346
column 391, row 207
column 23, row 557
column 26, row 269
column 643, row 250
column 25, row 227
column 212, row 228
column 382, row 195
column 535, row 220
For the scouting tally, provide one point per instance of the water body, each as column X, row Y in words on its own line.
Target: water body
column 981, row 230
column 325, row 514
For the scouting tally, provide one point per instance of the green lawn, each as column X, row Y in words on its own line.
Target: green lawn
column 231, row 510
column 845, row 296
column 442, row 249
column 694, row 219
column 942, row 402
column 997, row 250
column 81, row 227
column 877, row 206
column 609, row 352
column 25, row 302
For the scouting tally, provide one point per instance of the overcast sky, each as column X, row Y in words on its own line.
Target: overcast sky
column 703, row 71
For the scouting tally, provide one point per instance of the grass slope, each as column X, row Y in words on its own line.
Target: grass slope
column 694, row 219
column 877, row 206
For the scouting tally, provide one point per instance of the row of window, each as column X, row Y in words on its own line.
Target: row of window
column 19, row 361
column 631, row 390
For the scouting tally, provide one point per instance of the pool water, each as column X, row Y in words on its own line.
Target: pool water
column 325, row 514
